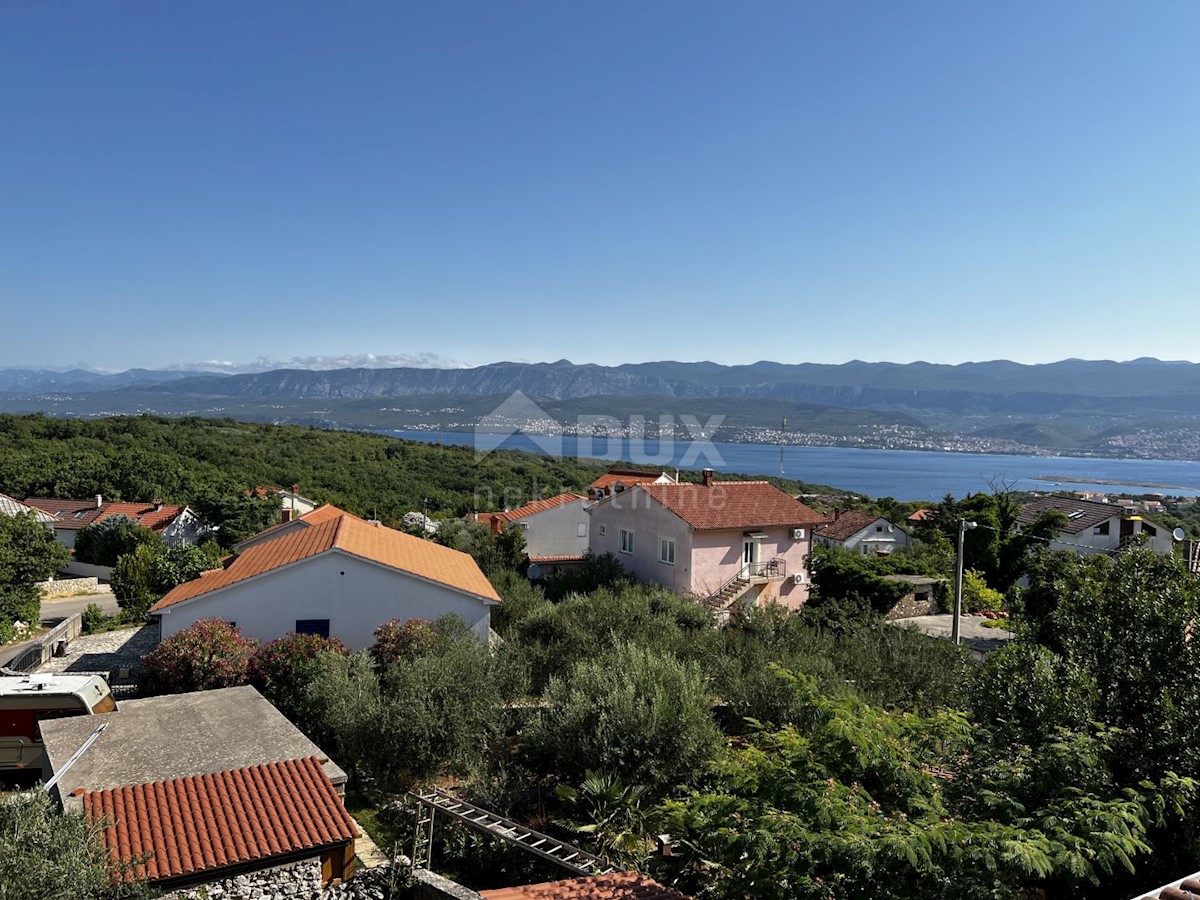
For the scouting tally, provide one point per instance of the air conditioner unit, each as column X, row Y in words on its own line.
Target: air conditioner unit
column 797, row 534
column 798, row 578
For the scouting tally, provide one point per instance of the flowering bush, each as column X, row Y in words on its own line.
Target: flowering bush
column 209, row 654
column 282, row 669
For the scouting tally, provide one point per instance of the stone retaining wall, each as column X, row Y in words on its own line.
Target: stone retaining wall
column 299, row 881
column 910, row 606
column 68, row 587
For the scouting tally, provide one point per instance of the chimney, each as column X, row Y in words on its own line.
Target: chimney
column 158, row 504
column 295, row 488
column 287, row 515
column 708, row 477
column 99, row 501
column 837, row 514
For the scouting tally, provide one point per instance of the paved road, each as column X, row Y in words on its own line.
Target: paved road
column 54, row 611
column 974, row 635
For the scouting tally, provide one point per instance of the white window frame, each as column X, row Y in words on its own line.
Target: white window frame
column 666, row 548
column 627, row 539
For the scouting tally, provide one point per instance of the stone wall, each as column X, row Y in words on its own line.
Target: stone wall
column 299, row 881
column 911, row 605
column 302, row 881
column 68, row 587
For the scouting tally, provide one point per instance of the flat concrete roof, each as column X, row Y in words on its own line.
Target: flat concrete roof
column 175, row 736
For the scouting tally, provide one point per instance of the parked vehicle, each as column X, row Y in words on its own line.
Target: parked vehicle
column 28, row 700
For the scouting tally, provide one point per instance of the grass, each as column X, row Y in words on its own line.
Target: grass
column 994, row 623
column 367, row 816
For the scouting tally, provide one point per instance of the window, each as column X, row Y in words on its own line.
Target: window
column 879, row 528
column 601, row 531
column 1149, row 529
column 1102, row 528
column 581, row 529
column 313, row 626
column 666, row 551
column 626, row 541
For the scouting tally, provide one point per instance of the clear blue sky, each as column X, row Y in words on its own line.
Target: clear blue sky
column 607, row 182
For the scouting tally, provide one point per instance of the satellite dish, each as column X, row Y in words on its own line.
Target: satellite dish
column 1178, row 534
column 534, row 572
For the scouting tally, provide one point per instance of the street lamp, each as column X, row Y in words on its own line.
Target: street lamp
column 963, row 526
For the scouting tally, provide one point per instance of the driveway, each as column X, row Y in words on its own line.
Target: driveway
column 973, row 633
column 55, row 611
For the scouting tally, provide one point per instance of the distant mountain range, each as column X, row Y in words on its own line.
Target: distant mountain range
column 1073, row 404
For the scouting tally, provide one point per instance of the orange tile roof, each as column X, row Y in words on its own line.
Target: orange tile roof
column 732, row 504
column 352, row 535
column 617, row 886
column 191, row 825
column 542, row 560
column 315, row 517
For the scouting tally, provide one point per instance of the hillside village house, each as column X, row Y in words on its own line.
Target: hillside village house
column 861, row 533
column 341, row 577
column 291, row 504
column 556, row 529
column 618, row 479
column 177, row 525
column 1097, row 527
column 719, row 541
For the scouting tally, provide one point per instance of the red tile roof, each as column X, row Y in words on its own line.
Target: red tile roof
column 617, row 886
column 732, row 504
column 154, row 516
column 542, row 560
column 846, row 525
column 1185, row 889
column 72, row 514
column 75, row 514
column 351, row 535
column 316, row 517
column 627, row 477
column 532, row 509
column 191, row 825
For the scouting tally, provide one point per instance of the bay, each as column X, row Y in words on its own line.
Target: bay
column 902, row 474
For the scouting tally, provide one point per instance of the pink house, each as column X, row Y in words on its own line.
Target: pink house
column 719, row 541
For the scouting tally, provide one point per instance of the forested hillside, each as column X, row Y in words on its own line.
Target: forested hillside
column 212, row 463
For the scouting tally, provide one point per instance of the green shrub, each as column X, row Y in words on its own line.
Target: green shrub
column 283, row 669
column 103, row 543
column 93, row 619
column 632, row 713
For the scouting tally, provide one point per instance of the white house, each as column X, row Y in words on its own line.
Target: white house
column 1097, row 527
column 861, row 533
column 556, row 529
column 11, row 507
column 718, row 541
column 341, row 578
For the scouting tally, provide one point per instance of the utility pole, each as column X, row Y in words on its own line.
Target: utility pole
column 963, row 526
column 782, row 440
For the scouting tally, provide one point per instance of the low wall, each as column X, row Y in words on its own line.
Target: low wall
column 303, row 880
column 87, row 570
column 911, row 607
column 50, row 644
column 68, row 587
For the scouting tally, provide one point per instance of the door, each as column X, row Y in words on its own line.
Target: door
column 749, row 555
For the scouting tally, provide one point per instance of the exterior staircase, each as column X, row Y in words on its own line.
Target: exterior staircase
column 729, row 594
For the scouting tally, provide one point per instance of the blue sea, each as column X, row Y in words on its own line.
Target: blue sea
column 902, row 474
